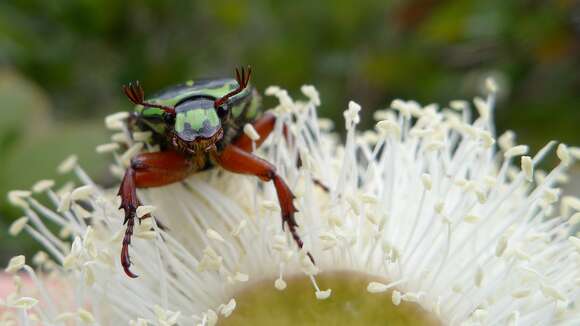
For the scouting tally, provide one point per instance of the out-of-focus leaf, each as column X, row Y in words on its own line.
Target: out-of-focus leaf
column 24, row 110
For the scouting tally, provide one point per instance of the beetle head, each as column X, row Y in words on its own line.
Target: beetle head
column 197, row 125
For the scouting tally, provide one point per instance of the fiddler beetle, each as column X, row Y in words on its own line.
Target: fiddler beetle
column 198, row 125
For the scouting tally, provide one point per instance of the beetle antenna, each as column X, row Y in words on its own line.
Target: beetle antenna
column 243, row 79
column 135, row 93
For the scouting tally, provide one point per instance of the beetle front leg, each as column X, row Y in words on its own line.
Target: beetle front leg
column 237, row 160
column 147, row 170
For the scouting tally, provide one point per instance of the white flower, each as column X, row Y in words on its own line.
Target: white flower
column 426, row 206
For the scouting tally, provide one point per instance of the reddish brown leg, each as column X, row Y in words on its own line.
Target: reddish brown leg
column 237, row 160
column 264, row 127
column 147, row 170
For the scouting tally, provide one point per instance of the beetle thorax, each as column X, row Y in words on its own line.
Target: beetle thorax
column 197, row 126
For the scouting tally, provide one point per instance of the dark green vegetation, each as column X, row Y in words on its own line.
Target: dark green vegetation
column 62, row 64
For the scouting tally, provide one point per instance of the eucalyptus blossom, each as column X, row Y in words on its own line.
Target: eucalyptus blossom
column 430, row 208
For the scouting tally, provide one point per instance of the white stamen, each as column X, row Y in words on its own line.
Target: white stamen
column 311, row 92
column 272, row 90
column 427, row 181
column 42, row 186
column 482, row 108
column 323, row 295
column 17, row 198
column 507, row 140
column 459, row 105
column 65, row 202
column 516, row 151
column 528, row 168
column 569, row 203
column 17, row 226
column 15, row 264
column 351, row 115
column 82, row 192
column 501, row 246
column 564, row 154
column 576, row 242
column 85, row 316
column 121, row 138
column 68, row 164
column 472, row 219
column 113, row 121
column 40, row 258
column 130, row 153
column 142, row 136
column 251, row 132
column 229, row 308
column 214, row 235
column 487, row 139
column 491, row 85
column 396, row 298
column 552, row 292
column 107, row 148
column 24, row 303
column 574, row 219
column 389, row 127
column 280, row 284
column 144, row 210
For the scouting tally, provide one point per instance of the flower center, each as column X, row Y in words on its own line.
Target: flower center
column 349, row 304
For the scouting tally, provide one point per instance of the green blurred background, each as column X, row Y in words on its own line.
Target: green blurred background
column 62, row 64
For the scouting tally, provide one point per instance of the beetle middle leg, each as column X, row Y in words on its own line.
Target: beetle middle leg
column 264, row 127
column 147, row 170
column 238, row 160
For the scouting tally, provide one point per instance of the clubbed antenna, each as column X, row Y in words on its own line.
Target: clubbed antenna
column 135, row 93
column 243, row 79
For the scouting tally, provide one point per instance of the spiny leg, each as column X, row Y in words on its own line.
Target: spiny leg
column 147, row 170
column 237, row 160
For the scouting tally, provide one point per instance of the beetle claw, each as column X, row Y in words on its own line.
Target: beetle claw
column 126, row 262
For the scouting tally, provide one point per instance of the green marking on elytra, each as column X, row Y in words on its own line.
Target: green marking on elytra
column 218, row 92
column 180, row 122
column 152, row 112
column 215, row 92
column 189, row 83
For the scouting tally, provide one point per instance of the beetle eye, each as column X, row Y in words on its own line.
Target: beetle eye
column 169, row 118
column 222, row 111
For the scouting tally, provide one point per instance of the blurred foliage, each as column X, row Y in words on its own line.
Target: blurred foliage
column 63, row 63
